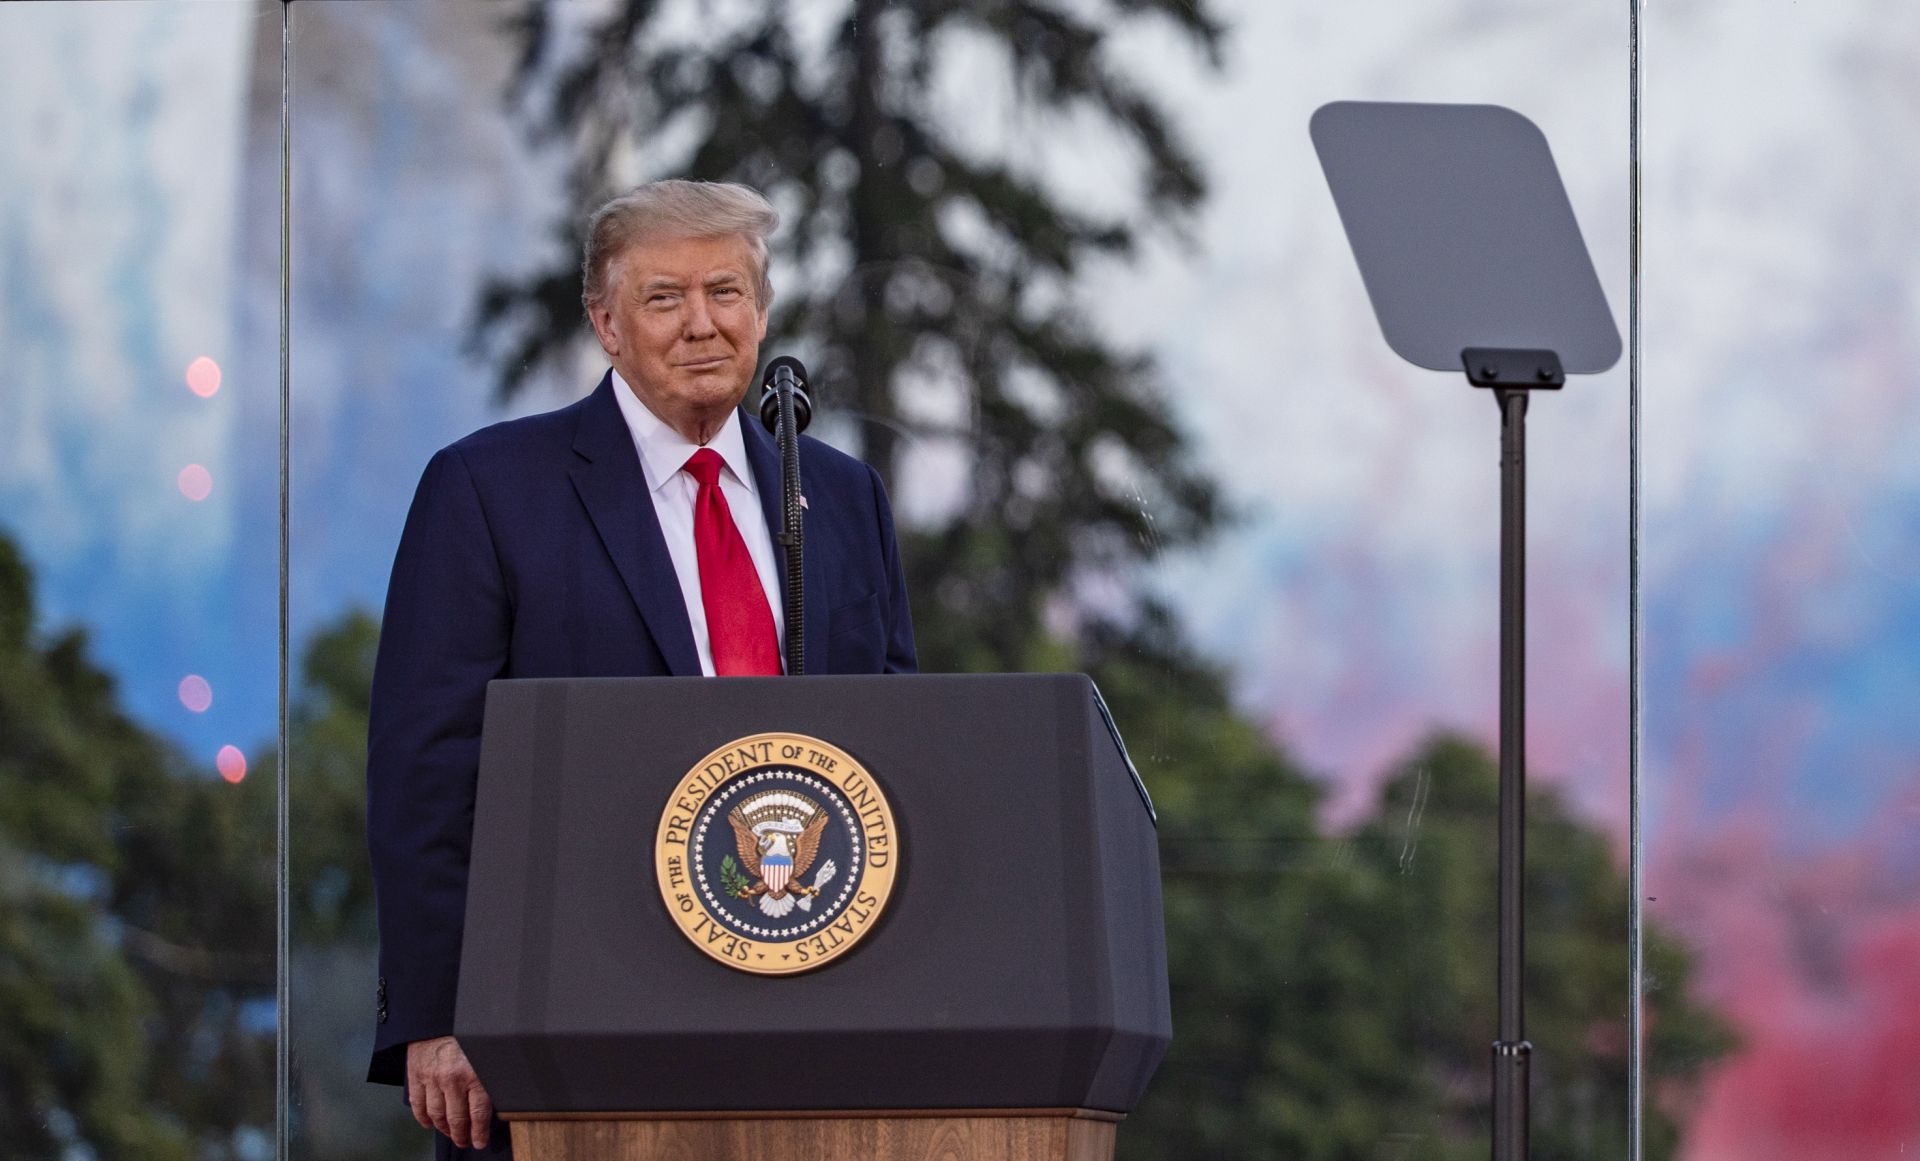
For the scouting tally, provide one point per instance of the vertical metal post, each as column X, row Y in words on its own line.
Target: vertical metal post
column 283, row 776
column 1511, row 1052
column 792, row 534
column 1636, row 857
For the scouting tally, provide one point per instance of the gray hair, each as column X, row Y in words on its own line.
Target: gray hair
column 675, row 209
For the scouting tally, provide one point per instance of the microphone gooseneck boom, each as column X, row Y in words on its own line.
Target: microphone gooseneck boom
column 786, row 410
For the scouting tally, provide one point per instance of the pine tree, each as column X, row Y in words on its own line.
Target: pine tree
column 937, row 287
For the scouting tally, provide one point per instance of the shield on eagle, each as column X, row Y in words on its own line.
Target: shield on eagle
column 777, row 870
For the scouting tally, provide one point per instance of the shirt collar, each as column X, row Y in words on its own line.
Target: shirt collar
column 664, row 451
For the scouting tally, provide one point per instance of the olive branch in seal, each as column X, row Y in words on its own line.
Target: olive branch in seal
column 730, row 878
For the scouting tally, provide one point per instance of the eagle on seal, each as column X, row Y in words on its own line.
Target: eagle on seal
column 776, row 856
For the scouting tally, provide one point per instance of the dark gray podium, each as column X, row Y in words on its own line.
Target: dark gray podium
column 1009, row 1001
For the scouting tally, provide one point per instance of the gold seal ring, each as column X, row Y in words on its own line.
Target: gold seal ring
column 777, row 853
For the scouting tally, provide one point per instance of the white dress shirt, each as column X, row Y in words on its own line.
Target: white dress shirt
column 663, row 452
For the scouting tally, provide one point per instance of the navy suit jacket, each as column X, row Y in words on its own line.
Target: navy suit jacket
column 532, row 550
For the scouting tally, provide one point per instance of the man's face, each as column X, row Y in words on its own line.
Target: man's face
column 682, row 323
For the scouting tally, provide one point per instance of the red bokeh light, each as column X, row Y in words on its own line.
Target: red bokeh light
column 195, row 693
column 196, row 482
column 203, row 377
column 231, row 763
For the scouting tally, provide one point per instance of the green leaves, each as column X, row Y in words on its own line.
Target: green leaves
column 736, row 884
column 1334, row 992
column 136, row 914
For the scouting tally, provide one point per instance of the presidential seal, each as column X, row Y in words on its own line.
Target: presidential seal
column 776, row 853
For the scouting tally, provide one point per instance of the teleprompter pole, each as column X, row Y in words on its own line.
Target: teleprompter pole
column 1512, row 375
column 1511, row 1052
column 1464, row 235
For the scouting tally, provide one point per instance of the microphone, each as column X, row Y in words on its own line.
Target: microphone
column 785, row 372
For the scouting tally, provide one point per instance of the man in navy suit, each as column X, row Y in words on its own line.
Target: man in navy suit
column 628, row 534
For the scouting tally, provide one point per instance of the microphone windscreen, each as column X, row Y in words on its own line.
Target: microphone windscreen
column 770, row 397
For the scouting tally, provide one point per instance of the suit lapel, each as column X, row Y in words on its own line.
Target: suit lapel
column 614, row 490
column 764, row 454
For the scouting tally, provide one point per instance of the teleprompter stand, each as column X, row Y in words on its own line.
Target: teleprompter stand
column 1009, row 1004
column 1473, row 261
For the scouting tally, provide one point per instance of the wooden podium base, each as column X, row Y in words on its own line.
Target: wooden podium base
column 884, row 1135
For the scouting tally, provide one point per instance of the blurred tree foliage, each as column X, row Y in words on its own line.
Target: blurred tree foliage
column 339, row 1117
column 1333, row 994
column 136, row 919
column 137, row 916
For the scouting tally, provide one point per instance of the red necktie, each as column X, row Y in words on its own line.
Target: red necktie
column 739, row 620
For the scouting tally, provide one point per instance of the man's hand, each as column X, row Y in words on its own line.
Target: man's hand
column 445, row 1094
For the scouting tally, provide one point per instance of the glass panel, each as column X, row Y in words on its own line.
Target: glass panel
column 1069, row 276
column 1332, row 955
column 139, row 492
column 1782, row 561
column 400, row 198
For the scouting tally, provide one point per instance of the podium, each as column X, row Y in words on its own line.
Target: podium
column 1006, row 1000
